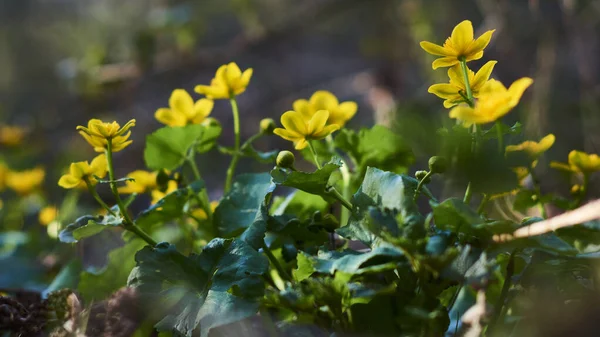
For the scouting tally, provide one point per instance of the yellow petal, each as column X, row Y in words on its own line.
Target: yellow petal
column 474, row 56
column 462, row 36
column 444, row 90
column 323, row 100
column 294, row 121
column 303, row 106
column 99, row 166
column 287, row 134
column 561, row 166
column 517, row 89
column 202, row 109
column 245, row 79
column 326, row 131
column 170, row 117
column 348, row 110
column 483, row 75
column 301, row 144
column 317, row 122
column 444, row 62
column 456, row 76
column 467, row 114
column 232, row 73
column 547, row 142
column 181, row 102
column 435, row 49
column 479, row 45
column 68, row 181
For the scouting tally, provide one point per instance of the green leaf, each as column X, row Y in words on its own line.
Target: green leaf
column 301, row 205
column 106, row 181
column 68, row 277
column 262, row 157
column 167, row 148
column 376, row 147
column 314, row 183
column 383, row 194
column 96, row 286
column 87, row 226
column 220, row 286
column 244, row 209
column 454, row 215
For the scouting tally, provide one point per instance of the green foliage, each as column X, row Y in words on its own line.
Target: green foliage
column 87, row 226
column 317, row 182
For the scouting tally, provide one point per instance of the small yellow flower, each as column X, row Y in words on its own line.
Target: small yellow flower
column 339, row 113
column 494, row 102
column 201, row 214
column 25, row 182
column 98, row 133
column 460, row 45
column 227, row 83
column 11, row 135
column 47, row 215
column 81, row 171
column 533, row 149
column 144, row 181
column 157, row 194
column 183, row 111
column 579, row 162
column 451, row 92
column 300, row 129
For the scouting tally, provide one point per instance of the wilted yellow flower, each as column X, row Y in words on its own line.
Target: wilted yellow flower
column 494, row 102
column 300, row 129
column 144, row 181
column 157, row 194
column 25, row 182
column 451, row 92
column 579, row 162
column 533, row 149
column 81, row 171
column 227, row 83
column 201, row 214
column 339, row 113
column 183, row 111
column 97, row 133
column 47, row 215
column 11, row 135
column 459, row 46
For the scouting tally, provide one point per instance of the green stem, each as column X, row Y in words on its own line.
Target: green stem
column 314, row 154
column 276, row 263
column 346, row 180
column 336, row 194
column 128, row 224
column 421, row 183
column 94, row 193
column 484, row 202
column 465, row 73
column 236, row 153
column 204, row 199
column 468, row 192
column 500, row 137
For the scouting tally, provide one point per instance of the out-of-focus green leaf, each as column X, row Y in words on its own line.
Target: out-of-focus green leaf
column 315, row 183
column 87, row 226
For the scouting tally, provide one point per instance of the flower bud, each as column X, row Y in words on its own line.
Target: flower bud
column 438, row 164
column 286, row 159
column 420, row 175
column 267, row 125
column 210, row 121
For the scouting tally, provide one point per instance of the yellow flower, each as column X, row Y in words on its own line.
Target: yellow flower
column 299, row 129
column 157, row 194
column 533, row 149
column 81, row 171
column 201, row 214
column 11, row 135
column 183, row 111
column 227, row 83
column 25, row 182
column 47, row 215
column 3, row 172
column 144, row 181
column 459, row 46
column 451, row 92
column 494, row 102
column 339, row 113
column 97, row 133
column 579, row 162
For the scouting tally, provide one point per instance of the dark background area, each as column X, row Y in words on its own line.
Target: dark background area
column 63, row 62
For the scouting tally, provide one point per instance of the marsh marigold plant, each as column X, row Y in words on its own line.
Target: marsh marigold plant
column 228, row 82
column 99, row 133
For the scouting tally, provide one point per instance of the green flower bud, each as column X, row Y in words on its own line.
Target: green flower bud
column 286, row 159
column 210, row 121
column 420, row 175
column 267, row 125
column 438, row 164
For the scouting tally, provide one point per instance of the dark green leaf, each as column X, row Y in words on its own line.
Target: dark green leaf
column 262, row 157
column 197, row 291
column 208, row 138
column 87, row 226
column 301, row 204
column 315, row 183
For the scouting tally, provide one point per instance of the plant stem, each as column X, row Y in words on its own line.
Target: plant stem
column 510, row 269
column 128, row 224
column 276, row 263
column 236, row 153
column 346, row 179
column 336, row 194
column 500, row 137
column 314, row 153
column 420, row 185
column 94, row 193
column 465, row 73
column 484, row 202
column 204, row 199
column 467, row 197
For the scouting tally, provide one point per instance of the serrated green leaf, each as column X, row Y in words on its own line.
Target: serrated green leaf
column 196, row 291
column 96, row 286
column 314, row 183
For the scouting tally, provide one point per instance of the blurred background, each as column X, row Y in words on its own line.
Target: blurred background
column 63, row 62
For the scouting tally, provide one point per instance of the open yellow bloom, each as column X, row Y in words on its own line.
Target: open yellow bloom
column 339, row 113
column 98, row 133
column 494, row 102
column 47, row 215
column 460, row 45
column 11, row 135
column 451, row 92
column 228, row 82
column 25, row 182
column 81, row 171
column 144, row 181
column 183, row 111
column 300, row 129
column 533, row 149
column 158, row 194
column 579, row 162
